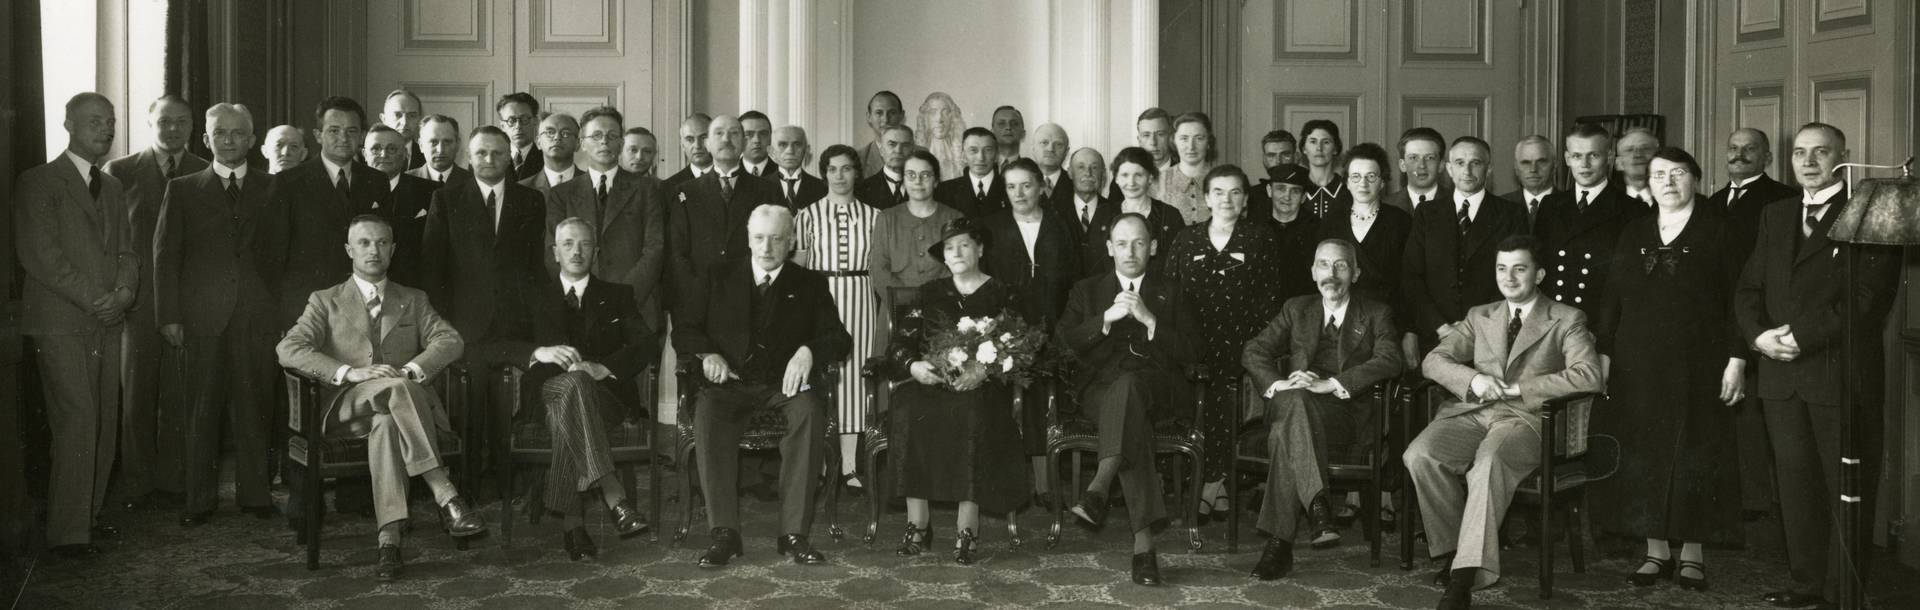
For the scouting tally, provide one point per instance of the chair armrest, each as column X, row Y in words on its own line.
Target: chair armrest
column 1559, row 405
column 303, row 399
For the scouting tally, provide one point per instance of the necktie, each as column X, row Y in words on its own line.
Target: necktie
column 1332, row 329
column 1464, row 219
column 1513, row 329
column 600, row 199
column 518, row 158
column 1421, row 202
column 979, row 191
column 726, row 187
column 373, row 313
column 167, row 167
column 899, row 194
column 345, row 188
column 1582, row 204
column 440, row 177
column 1086, row 215
column 1812, row 219
column 1734, row 193
column 1533, row 209
column 791, row 189
column 493, row 212
column 760, row 289
column 93, row 182
column 1131, row 286
column 233, row 187
column 573, row 299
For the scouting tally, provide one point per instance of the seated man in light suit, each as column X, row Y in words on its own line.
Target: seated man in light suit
column 1504, row 361
column 583, row 381
column 759, row 324
column 375, row 382
column 1316, row 363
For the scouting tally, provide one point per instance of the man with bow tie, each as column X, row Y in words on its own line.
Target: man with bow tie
column 1316, row 364
column 885, row 188
column 1501, row 363
column 152, row 457
column 1790, row 304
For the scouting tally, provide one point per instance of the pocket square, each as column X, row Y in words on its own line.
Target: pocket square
column 420, row 214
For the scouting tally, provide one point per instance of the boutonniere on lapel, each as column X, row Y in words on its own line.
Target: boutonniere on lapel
column 683, row 197
column 420, row 214
column 1836, row 252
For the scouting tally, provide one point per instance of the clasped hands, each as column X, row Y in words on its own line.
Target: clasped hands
column 566, row 357
column 379, row 371
column 1778, row 343
column 1128, row 303
column 1486, row 388
column 793, row 381
column 1303, row 380
column 111, row 308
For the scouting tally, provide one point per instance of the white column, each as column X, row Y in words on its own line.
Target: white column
column 753, row 60
column 1145, row 33
column 800, row 104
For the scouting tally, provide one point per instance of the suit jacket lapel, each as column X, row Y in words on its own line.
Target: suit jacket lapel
column 392, row 307
column 617, row 197
column 348, row 301
column 1479, row 229
column 1818, row 242
column 1532, row 330
column 77, row 188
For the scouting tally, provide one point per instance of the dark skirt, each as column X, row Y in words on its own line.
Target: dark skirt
column 958, row 446
column 1677, row 473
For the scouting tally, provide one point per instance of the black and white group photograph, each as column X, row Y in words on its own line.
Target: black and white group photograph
column 997, row 304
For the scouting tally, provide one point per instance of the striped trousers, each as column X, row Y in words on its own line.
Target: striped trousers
column 577, row 412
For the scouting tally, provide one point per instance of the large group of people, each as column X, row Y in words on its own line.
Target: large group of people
column 556, row 248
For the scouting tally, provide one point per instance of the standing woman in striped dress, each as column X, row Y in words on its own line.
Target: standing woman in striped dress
column 832, row 239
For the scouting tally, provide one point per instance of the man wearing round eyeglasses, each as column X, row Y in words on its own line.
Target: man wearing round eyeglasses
column 519, row 117
column 559, row 140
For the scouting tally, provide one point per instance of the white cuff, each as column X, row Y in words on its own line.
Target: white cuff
column 419, row 375
column 340, row 374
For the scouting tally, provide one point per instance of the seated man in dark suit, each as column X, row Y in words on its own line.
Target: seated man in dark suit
column 379, row 393
column 1503, row 362
column 1316, row 363
column 977, row 192
column 1129, row 333
column 584, row 380
column 405, row 203
column 630, row 245
column 759, row 325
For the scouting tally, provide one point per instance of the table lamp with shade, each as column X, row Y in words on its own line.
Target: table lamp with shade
column 1884, row 212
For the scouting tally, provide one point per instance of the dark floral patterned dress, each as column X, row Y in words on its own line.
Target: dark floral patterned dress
column 1233, row 292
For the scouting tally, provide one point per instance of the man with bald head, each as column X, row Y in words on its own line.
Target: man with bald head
column 402, row 113
column 693, row 149
column 283, row 148
column 791, row 153
column 214, row 305
column 1009, row 131
column 559, row 140
column 1050, row 146
column 76, row 247
column 763, row 329
column 404, row 202
column 707, row 216
column 440, row 141
column 1635, row 156
column 144, row 175
column 1534, row 167
column 885, row 188
column 884, row 111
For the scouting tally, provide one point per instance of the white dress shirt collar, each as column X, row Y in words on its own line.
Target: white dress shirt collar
column 1472, row 201
column 1136, row 282
column 333, row 172
column 83, row 165
column 698, row 171
column 1644, row 195
column 1338, row 314
column 579, row 289
column 393, row 183
column 560, row 177
column 774, row 275
column 221, row 171
column 1525, row 309
column 1592, row 192
column 612, row 174
column 369, row 289
column 1413, row 196
column 796, row 175
column 1738, row 184
column 1822, row 196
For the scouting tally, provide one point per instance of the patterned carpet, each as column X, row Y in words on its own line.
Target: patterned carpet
column 240, row 562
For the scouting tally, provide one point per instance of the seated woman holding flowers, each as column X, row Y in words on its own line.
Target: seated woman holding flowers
column 954, row 436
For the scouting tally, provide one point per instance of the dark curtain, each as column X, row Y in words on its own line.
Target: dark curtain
column 187, row 58
column 23, row 456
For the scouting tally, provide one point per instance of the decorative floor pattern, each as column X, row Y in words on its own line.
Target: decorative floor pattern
column 240, row 562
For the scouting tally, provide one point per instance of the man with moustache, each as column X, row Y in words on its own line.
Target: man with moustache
column 405, row 203
column 151, row 461
column 1635, row 152
column 76, row 247
column 1422, row 151
column 758, row 132
column 1442, row 272
column 1316, row 364
column 283, row 148
column 1749, row 188
column 1577, row 228
column 626, row 213
column 791, row 154
column 559, row 140
column 1088, row 170
column 519, row 116
column 885, row 188
column 884, row 112
column 1534, row 168
column 707, row 216
column 401, row 112
column 440, row 142
column 979, row 191
column 640, row 151
column 1791, row 305
column 693, row 148
column 1009, row 131
column 214, row 304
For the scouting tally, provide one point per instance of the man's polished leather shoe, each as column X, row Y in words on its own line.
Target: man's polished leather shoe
column 196, row 519
column 104, row 532
column 628, row 521
column 261, row 512
column 1320, row 519
column 579, row 545
column 1792, row 599
column 388, row 568
column 1459, row 594
column 726, row 546
column 1444, row 576
column 1092, row 509
column 74, row 551
column 797, row 547
column 1276, row 560
column 459, row 520
column 1146, row 569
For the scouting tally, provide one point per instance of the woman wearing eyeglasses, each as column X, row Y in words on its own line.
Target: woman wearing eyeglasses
column 1677, row 372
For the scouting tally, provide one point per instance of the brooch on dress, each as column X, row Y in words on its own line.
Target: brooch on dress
column 1664, row 256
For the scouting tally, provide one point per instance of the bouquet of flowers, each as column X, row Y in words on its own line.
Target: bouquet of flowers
column 973, row 350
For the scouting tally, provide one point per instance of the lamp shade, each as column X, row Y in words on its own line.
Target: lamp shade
column 1883, row 211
